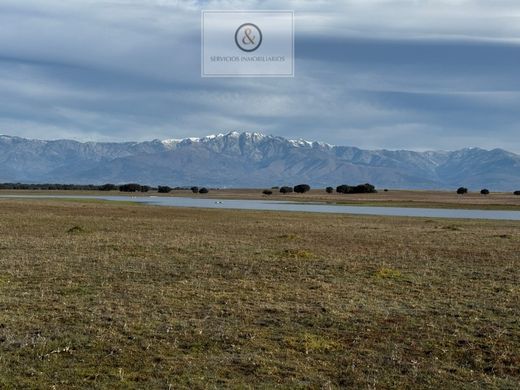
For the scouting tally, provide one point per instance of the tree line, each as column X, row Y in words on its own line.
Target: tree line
column 128, row 187
column 484, row 191
column 366, row 188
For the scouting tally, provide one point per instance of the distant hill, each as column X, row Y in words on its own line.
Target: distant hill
column 252, row 160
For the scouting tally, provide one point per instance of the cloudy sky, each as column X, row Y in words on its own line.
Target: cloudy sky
column 414, row 74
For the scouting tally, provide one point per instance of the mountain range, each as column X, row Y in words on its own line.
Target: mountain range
column 251, row 160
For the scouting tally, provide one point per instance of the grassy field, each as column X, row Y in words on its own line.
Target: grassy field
column 393, row 198
column 98, row 295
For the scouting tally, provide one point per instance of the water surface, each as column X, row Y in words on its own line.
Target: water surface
column 270, row 205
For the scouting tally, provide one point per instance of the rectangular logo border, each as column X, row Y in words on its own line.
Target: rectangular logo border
column 204, row 75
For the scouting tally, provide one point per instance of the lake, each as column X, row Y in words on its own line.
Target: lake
column 292, row 206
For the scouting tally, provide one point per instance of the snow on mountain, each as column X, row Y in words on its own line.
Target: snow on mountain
column 251, row 159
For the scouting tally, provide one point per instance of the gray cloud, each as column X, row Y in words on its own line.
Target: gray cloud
column 378, row 74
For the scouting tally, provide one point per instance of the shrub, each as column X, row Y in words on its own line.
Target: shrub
column 286, row 190
column 484, row 191
column 302, row 188
column 329, row 190
column 385, row 190
column 195, row 189
column 516, row 193
column 462, row 190
column 267, row 192
column 163, row 189
column 203, row 190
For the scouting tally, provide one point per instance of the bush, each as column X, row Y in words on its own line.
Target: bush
column 195, row 189
column 366, row 188
column 163, row 189
column 286, row 190
column 462, row 190
column 516, row 193
column 302, row 188
column 385, row 190
column 203, row 190
column 484, row 191
column 329, row 190
column 267, row 192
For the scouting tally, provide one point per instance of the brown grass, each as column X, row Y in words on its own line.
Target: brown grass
column 120, row 296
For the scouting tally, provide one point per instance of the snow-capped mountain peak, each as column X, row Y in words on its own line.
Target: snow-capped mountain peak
column 251, row 159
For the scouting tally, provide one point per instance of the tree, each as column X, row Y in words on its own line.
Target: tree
column 329, row 190
column 302, row 188
column 130, row 187
column 195, row 189
column 203, row 190
column 267, row 192
column 462, row 190
column 286, row 190
column 516, row 192
column 163, row 189
column 107, row 187
column 366, row 188
column 344, row 189
column 484, row 191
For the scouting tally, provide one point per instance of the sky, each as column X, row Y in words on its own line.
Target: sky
column 377, row 74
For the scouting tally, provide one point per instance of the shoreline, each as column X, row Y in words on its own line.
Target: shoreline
column 395, row 198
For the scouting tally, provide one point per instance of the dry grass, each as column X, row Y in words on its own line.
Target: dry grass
column 120, row 296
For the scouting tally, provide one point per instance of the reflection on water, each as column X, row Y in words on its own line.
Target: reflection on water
column 290, row 206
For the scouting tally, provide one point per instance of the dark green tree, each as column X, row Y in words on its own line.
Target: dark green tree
column 107, row 187
column 302, row 188
column 163, row 189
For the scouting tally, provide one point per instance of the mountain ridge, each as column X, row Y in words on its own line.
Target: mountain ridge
column 251, row 159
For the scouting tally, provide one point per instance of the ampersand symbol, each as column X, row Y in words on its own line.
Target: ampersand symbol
column 248, row 39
